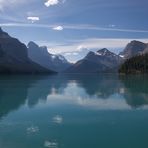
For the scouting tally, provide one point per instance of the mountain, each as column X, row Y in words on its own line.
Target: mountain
column 134, row 48
column 135, row 90
column 146, row 49
column 101, row 61
column 136, row 58
column 41, row 56
column 14, row 57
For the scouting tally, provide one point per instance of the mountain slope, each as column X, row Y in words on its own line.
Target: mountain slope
column 136, row 58
column 101, row 61
column 14, row 57
column 134, row 48
column 41, row 56
column 137, row 64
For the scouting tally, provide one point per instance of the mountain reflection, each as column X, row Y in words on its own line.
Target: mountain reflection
column 43, row 87
column 98, row 86
column 13, row 92
column 136, row 90
column 16, row 91
column 102, row 86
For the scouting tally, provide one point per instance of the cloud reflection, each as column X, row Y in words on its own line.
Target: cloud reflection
column 57, row 119
column 92, row 91
column 50, row 144
column 32, row 129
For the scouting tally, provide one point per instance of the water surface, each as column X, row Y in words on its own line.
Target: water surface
column 74, row 111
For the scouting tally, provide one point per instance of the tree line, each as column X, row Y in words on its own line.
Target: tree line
column 137, row 64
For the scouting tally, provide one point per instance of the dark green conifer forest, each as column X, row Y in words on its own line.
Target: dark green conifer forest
column 137, row 64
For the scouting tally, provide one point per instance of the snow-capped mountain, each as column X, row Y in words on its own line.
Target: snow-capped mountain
column 101, row 61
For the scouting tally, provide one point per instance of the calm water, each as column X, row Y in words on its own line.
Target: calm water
column 74, row 111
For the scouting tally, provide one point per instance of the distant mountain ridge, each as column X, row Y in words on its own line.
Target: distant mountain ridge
column 41, row 56
column 14, row 57
column 94, row 62
column 105, row 61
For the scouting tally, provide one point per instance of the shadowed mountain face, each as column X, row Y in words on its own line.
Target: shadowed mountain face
column 101, row 61
column 14, row 57
column 41, row 56
column 12, row 47
column 134, row 48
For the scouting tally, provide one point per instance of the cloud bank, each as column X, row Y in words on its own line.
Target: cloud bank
column 75, row 50
column 91, row 43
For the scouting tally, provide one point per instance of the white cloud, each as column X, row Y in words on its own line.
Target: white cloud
column 68, row 54
column 58, row 28
column 75, row 53
column 51, row 3
column 80, row 47
column 71, row 53
column 33, row 18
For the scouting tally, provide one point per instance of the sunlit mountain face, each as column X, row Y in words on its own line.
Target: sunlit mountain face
column 73, row 28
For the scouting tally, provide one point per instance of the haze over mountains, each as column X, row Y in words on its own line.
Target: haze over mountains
column 41, row 56
column 15, row 57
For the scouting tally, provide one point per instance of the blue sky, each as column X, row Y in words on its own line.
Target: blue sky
column 73, row 27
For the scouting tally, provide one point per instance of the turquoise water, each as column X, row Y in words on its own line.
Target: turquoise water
column 74, row 111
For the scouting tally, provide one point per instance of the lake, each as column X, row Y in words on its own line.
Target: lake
column 74, row 111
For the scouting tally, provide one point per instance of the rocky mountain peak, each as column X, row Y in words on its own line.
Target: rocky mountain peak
column 132, row 49
column 31, row 44
column 104, row 52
